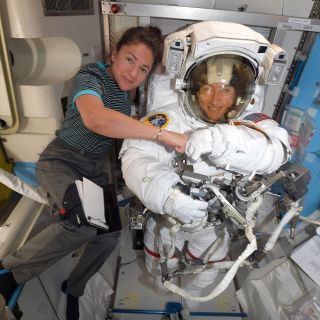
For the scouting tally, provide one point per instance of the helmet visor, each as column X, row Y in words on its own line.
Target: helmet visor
column 220, row 87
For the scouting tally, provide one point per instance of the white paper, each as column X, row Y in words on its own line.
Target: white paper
column 79, row 186
column 307, row 257
column 92, row 199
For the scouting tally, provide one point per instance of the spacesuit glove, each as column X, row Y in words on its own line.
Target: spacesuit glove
column 184, row 208
column 199, row 142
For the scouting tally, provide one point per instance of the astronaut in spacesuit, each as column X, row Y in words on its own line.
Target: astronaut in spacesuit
column 218, row 69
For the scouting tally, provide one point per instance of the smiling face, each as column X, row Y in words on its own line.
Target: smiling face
column 218, row 88
column 131, row 65
column 216, row 100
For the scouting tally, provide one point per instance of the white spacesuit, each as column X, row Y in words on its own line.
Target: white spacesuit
column 217, row 68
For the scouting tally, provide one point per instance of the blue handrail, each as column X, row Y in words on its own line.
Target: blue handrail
column 164, row 312
column 16, row 293
column 15, row 296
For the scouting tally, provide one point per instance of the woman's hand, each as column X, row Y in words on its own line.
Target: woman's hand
column 175, row 140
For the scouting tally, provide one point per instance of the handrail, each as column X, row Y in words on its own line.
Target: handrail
column 4, row 60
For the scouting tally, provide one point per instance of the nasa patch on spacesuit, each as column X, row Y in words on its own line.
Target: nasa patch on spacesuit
column 159, row 119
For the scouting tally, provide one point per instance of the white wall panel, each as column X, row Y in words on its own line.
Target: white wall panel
column 297, row 8
column 254, row 6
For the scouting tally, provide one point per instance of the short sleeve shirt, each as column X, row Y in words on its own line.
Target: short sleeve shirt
column 92, row 79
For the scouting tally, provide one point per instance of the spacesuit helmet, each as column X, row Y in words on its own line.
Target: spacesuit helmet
column 219, row 87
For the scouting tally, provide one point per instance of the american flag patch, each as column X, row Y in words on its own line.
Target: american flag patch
column 256, row 117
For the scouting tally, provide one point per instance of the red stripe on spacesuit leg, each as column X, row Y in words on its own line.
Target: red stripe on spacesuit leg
column 194, row 258
column 155, row 254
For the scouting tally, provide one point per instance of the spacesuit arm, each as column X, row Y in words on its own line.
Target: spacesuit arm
column 151, row 179
column 146, row 165
column 147, row 173
column 241, row 148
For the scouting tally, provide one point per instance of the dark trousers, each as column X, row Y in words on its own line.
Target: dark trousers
column 60, row 165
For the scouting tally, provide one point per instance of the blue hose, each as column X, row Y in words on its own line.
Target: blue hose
column 15, row 296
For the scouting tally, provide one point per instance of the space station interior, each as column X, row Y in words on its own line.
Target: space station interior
column 271, row 217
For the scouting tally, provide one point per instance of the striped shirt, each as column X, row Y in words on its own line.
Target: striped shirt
column 95, row 80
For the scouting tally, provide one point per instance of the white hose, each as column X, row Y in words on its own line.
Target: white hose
column 227, row 264
column 253, row 208
column 251, row 247
column 18, row 185
column 233, row 265
column 294, row 210
column 306, row 220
